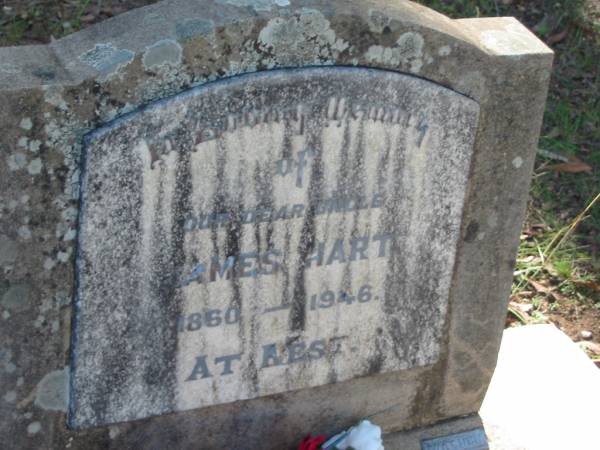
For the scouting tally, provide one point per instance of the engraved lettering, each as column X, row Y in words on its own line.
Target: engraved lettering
column 227, row 362
column 200, row 368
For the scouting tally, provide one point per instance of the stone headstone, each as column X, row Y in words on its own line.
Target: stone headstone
column 274, row 232
column 267, row 218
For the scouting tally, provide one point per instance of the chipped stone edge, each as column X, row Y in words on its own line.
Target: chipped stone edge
column 70, row 60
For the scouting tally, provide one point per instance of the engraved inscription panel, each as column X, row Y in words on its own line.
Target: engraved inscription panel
column 466, row 440
column 272, row 232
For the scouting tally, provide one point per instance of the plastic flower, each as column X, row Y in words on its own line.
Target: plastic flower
column 311, row 443
column 364, row 436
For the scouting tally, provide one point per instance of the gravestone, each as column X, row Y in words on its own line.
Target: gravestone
column 244, row 221
column 265, row 234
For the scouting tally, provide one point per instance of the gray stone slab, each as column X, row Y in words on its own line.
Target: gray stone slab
column 465, row 440
column 560, row 410
column 52, row 96
column 525, row 408
column 269, row 233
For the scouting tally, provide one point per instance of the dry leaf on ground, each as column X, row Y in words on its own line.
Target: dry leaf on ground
column 539, row 287
column 558, row 37
column 590, row 284
column 571, row 167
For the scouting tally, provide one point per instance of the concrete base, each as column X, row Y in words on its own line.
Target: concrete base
column 543, row 396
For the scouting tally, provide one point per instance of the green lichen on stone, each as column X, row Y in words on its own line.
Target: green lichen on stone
column 106, row 57
column 52, row 391
column 162, row 53
column 17, row 298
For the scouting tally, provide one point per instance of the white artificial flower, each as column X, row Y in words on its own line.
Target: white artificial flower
column 364, row 436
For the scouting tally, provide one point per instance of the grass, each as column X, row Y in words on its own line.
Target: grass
column 550, row 255
column 557, row 264
column 567, row 203
column 33, row 23
column 39, row 21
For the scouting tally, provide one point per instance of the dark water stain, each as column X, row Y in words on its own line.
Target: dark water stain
column 159, row 344
column 251, row 370
column 174, row 307
column 357, row 187
column 396, row 223
column 383, row 163
column 376, row 358
column 106, row 392
column 343, row 179
column 153, row 371
column 307, row 235
column 234, row 234
column 344, row 188
column 287, row 148
column 258, row 194
column 268, row 173
column 220, row 200
column 263, row 192
column 285, row 268
column 471, row 232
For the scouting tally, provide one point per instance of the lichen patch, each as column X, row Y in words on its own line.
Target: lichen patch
column 26, row 124
column 408, row 52
column 106, row 58
column 52, row 391
column 35, row 167
column 307, row 37
column 16, row 161
column 166, row 52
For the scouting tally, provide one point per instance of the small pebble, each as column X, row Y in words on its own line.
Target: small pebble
column 585, row 334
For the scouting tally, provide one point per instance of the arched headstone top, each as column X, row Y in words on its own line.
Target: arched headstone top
column 186, row 43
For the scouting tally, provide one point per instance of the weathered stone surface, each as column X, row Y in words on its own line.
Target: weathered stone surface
column 53, row 95
column 265, row 234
